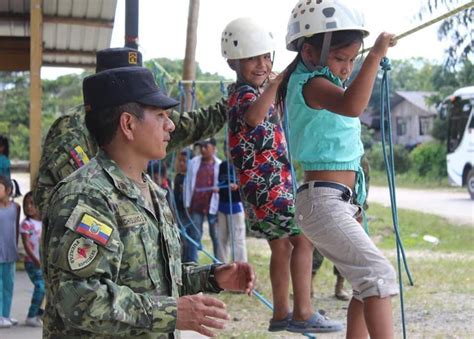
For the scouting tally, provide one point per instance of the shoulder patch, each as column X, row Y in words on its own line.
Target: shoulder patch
column 81, row 253
column 94, row 229
column 80, row 157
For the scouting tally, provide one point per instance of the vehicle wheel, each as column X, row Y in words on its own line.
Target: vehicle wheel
column 470, row 183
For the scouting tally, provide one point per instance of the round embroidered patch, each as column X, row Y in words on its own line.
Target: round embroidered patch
column 81, row 253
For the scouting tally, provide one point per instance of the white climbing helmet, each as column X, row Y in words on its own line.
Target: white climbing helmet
column 310, row 17
column 245, row 38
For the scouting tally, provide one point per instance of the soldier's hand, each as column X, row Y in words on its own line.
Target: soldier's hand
column 198, row 312
column 238, row 276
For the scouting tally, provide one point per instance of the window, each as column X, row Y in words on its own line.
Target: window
column 426, row 123
column 401, row 127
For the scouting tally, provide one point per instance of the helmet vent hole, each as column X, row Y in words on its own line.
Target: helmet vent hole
column 319, row 1
column 236, row 43
column 270, row 34
column 307, row 26
column 295, row 15
column 329, row 12
column 302, row 12
column 308, row 2
column 311, row 10
column 299, row 5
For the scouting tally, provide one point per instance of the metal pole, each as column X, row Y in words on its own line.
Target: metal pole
column 131, row 24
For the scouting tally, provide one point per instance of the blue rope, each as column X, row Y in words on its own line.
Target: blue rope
column 385, row 126
column 193, row 95
column 223, row 89
column 182, row 231
column 229, row 192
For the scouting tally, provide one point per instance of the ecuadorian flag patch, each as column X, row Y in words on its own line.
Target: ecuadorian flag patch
column 80, row 157
column 94, row 229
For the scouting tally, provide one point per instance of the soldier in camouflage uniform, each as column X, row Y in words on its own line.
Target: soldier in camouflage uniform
column 111, row 248
column 68, row 145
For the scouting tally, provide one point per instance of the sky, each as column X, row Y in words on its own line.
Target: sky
column 162, row 29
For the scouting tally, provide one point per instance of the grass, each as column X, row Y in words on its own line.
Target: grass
column 413, row 226
column 443, row 281
column 411, row 180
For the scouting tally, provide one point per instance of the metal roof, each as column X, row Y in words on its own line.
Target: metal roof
column 73, row 30
column 417, row 98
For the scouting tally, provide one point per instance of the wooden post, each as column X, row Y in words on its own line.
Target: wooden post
column 189, row 67
column 36, row 59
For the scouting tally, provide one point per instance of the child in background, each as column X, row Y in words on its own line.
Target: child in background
column 230, row 215
column 4, row 157
column 9, row 220
column 258, row 150
column 325, row 138
column 178, row 189
column 159, row 173
column 30, row 230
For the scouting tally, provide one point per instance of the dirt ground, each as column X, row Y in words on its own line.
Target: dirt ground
column 429, row 312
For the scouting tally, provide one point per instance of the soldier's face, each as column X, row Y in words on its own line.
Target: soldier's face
column 153, row 133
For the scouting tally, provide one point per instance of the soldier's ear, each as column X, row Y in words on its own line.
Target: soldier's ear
column 127, row 125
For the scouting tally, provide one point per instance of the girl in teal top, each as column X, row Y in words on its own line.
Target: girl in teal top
column 4, row 160
column 325, row 138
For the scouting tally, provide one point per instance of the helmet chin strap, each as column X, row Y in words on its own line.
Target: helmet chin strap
column 324, row 53
column 325, row 49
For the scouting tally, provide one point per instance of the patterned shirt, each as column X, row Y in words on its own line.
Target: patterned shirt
column 33, row 228
column 260, row 156
column 202, row 194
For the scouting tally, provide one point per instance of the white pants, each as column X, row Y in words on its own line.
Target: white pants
column 329, row 222
column 231, row 241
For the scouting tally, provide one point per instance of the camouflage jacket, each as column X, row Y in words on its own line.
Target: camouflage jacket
column 111, row 260
column 68, row 145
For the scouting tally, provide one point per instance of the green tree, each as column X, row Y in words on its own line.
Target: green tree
column 168, row 73
column 456, row 29
column 65, row 92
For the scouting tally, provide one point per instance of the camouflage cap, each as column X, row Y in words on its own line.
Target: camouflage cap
column 115, row 87
column 117, row 57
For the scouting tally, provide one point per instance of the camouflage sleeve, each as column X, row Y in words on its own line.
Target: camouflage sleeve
column 82, row 275
column 196, row 125
column 66, row 148
column 196, row 279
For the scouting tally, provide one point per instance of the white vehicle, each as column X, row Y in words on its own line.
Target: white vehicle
column 458, row 109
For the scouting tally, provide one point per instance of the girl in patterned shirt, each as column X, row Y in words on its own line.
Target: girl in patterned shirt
column 30, row 230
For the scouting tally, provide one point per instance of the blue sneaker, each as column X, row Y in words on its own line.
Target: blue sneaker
column 317, row 323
